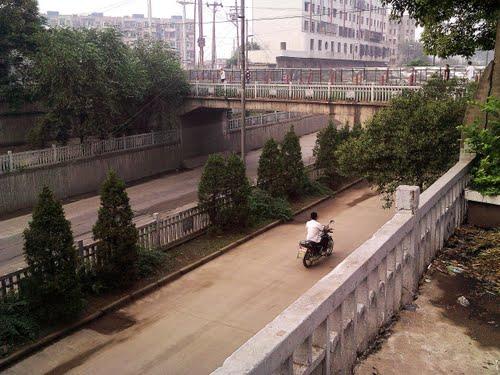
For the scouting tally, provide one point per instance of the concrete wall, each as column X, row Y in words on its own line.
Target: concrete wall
column 202, row 132
column 15, row 125
column 19, row 190
column 258, row 135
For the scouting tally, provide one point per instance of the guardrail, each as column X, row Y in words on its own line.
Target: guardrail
column 264, row 119
column 11, row 162
column 323, row 331
column 157, row 233
column 319, row 92
column 380, row 75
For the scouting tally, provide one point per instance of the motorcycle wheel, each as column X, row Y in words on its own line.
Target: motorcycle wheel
column 329, row 251
column 308, row 259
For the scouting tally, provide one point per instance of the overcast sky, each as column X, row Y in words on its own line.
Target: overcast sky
column 226, row 32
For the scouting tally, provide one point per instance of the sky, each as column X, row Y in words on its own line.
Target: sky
column 226, row 32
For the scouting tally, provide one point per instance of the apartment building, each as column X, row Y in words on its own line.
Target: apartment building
column 321, row 33
column 133, row 28
column 401, row 39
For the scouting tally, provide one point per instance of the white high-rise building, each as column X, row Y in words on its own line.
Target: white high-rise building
column 320, row 33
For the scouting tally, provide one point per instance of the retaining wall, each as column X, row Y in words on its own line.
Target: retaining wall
column 19, row 190
column 258, row 135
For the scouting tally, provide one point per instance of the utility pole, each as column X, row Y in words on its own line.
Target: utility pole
column 184, row 52
column 201, row 38
column 233, row 17
column 214, row 6
column 243, row 81
column 194, row 34
column 150, row 20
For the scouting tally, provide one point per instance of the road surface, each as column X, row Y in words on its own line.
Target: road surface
column 157, row 195
column 192, row 324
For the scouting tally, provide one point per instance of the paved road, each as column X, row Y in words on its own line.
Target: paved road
column 158, row 195
column 191, row 325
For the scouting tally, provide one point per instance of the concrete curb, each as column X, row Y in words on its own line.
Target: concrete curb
column 58, row 335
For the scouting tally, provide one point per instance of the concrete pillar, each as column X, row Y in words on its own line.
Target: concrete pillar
column 407, row 198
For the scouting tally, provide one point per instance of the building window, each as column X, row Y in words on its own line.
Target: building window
column 350, row 48
column 326, row 46
column 339, row 47
column 332, row 47
column 306, row 6
column 345, row 48
column 306, row 25
column 311, row 44
column 283, row 46
column 320, row 43
column 312, row 26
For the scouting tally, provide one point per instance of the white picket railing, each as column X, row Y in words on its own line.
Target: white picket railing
column 323, row 331
column 11, row 162
column 264, row 119
column 300, row 92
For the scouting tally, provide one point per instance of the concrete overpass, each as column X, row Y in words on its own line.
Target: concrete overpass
column 353, row 103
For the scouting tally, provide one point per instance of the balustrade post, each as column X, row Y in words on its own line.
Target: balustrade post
column 407, row 201
column 11, row 161
column 54, row 153
column 372, row 92
column 156, row 217
column 290, row 90
column 255, row 90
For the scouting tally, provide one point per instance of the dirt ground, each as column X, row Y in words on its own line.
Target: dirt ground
column 453, row 325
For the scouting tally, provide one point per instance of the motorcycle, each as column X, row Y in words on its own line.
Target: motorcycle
column 309, row 251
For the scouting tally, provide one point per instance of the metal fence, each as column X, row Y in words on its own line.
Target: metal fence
column 298, row 92
column 11, row 162
column 264, row 119
column 380, row 75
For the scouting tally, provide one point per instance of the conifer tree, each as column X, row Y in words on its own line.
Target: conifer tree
column 270, row 170
column 238, row 190
column 52, row 290
column 324, row 151
column 117, row 249
column 293, row 166
column 211, row 188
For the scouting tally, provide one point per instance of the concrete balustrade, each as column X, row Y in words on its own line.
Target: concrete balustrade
column 322, row 332
column 301, row 92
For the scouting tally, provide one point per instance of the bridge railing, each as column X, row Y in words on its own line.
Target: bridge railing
column 323, row 330
column 264, row 119
column 11, row 162
column 298, row 92
column 378, row 75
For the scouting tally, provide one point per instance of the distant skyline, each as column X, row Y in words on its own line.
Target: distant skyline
column 226, row 32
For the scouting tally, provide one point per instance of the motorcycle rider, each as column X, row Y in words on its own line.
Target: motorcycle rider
column 314, row 232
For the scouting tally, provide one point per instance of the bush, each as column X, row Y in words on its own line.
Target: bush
column 270, row 170
column 293, row 167
column 224, row 180
column 264, row 206
column 485, row 142
column 117, row 235
column 52, row 290
column 411, row 142
column 149, row 262
column 16, row 323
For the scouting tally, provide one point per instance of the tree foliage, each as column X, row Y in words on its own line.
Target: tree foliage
column 224, row 191
column 117, row 248
column 452, row 27
column 270, row 171
column 19, row 25
column 327, row 142
column 293, row 166
column 52, row 289
column 412, row 142
column 233, row 60
column 485, row 143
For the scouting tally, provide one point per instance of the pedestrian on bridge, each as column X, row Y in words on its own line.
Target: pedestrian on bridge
column 222, row 75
